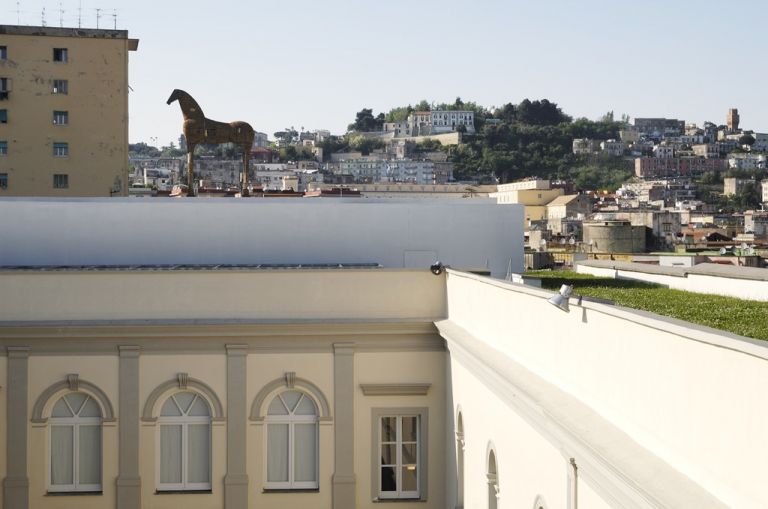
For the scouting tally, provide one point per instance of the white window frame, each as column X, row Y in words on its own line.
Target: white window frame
column 399, row 493
column 184, row 421
column 291, row 420
column 75, row 423
column 60, row 117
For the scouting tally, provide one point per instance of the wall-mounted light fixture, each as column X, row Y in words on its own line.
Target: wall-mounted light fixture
column 437, row 268
column 560, row 300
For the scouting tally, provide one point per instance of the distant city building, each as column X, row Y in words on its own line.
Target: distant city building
column 734, row 185
column 764, row 185
column 664, row 151
column 534, row 194
column 585, row 146
column 707, row 150
column 426, row 123
column 562, row 208
column 660, row 126
column 613, row 147
column 260, row 140
column 409, row 171
column 64, row 111
column 652, row 167
column 761, row 142
column 733, row 120
column 747, row 161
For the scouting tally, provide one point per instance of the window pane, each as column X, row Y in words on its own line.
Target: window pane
column 388, row 481
column 389, row 454
column 170, row 453
column 90, row 409
column 409, row 453
column 410, row 482
column 277, row 407
column 198, row 453
column 184, row 400
column 60, row 409
column 90, row 454
column 389, row 429
column 277, row 452
column 199, row 408
column 409, row 429
column 305, row 452
column 76, row 401
column 170, row 409
column 291, row 398
column 306, row 407
column 62, row 458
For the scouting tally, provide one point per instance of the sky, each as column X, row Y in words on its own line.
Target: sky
column 314, row 64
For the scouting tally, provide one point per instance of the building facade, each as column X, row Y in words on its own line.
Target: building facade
column 426, row 123
column 64, row 98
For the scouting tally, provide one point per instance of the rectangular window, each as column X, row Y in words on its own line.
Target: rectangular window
column 60, row 87
column 3, row 116
column 60, row 117
column 3, row 148
column 3, row 52
column 60, row 149
column 400, row 445
column 60, row 54
column 5, row 88
column 3, row 181
column 60, row 181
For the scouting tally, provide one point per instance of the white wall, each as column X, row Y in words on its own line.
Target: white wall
column 467, row 234
column 654, row 403
column 701, row 283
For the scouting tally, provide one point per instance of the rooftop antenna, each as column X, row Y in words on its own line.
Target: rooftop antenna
column 18, row 12
column 43, row 17
column 61, row 15
column 114, row 17
column 98, row 15
column 80, row 14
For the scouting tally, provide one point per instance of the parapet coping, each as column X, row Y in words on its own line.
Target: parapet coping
column 88, row 33
column 701, row 269
column 692, row 331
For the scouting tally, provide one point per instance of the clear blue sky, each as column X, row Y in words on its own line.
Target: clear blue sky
column 315, row 63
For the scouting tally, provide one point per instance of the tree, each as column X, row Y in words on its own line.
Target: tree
column 366, row 122
column 746, row 139
column 600, row 178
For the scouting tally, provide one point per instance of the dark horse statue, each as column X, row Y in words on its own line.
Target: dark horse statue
column 198, row 129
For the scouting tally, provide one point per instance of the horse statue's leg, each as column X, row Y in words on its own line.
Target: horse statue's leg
column 191, row 186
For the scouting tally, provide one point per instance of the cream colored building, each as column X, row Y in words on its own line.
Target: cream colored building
column 534, row 194
column 64, row 98
column 244, row 387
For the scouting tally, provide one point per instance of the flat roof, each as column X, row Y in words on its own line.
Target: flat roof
column 186, row 267
column 85, row 33
column 704, row 269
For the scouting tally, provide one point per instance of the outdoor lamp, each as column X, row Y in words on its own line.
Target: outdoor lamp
column 561, row 299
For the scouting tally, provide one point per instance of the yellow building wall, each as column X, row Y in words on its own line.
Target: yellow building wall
column 97, row 103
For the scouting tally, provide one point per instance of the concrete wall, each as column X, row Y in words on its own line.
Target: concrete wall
column 654, row 398
column 396, row 234
column 742, row 288
column 97, row 102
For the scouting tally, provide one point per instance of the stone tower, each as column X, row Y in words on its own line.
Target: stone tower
column 733, row 120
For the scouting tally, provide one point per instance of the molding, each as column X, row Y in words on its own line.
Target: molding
column 193, row 384
column 72, row 383
column 129, row 350
column 577, row 431
column 18, row 352
column 396, row 389
column 298, row 383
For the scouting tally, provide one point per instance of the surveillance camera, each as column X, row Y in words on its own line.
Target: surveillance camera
column 437, row 268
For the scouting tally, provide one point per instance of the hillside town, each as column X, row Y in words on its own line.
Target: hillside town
column 696, row 190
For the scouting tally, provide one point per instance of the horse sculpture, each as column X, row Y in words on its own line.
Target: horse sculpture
column 198, row 129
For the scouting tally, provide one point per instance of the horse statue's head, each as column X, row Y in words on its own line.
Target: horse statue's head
column 175, row 95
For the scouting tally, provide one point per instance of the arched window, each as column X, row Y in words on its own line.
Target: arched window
column 185, row 443
column 493, row 481
column 292, row 442
column 75, row 444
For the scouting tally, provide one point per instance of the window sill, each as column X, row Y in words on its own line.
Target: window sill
column 291, row 490
column 72, row 493
column 183, row 492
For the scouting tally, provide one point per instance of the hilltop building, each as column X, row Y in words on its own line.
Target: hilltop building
column 64, row 111
column 426, row 123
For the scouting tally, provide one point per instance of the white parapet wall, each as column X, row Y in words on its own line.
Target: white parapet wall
column 647, row 407
column 470, row 234
column 741, row 282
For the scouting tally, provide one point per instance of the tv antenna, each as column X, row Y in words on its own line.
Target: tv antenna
column 98, row 15
column 61, row 15
column 42, row 16
column 80, row 14
column 18, row 12
column 114, row 17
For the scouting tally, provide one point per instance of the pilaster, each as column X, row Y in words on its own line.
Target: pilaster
column 344, row 481
column 236, row 478
column 16, row 482
column 128, row 480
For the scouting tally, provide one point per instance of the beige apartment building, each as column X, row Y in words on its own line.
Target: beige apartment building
column 63, row 111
